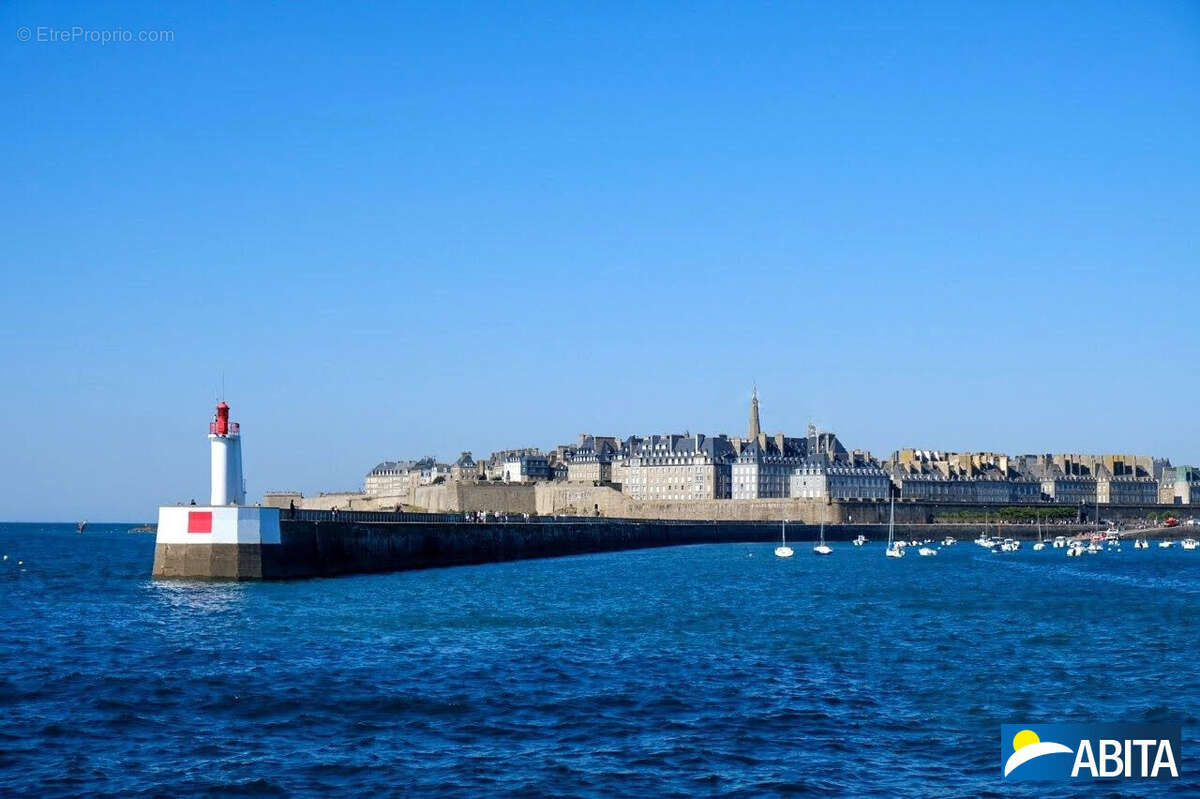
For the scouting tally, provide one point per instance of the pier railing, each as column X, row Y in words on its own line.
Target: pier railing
column 306, row 515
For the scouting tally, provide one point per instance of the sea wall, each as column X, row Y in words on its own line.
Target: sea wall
column 333, row 547
column 455, row 497
column 310, row 549
column 582, row 499
column 587, row 500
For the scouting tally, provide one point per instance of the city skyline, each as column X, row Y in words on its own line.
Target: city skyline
column 687, row 466
column 450, row 451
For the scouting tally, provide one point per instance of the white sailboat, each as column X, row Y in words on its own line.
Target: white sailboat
column 783, row 550
column 822, row 548
column 894, row 550
column 1041, row 543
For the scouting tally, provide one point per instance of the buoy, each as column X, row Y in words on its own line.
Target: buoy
column 6, row 557
column 20, row 563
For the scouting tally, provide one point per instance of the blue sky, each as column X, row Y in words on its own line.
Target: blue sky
column 406, row 229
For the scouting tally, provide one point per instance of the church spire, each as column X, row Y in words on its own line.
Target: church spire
column 754, row 429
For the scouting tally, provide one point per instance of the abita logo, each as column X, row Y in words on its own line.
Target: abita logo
column 1089, row 751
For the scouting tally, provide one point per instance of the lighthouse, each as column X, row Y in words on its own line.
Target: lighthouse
column 224, row 539
column 225, row 441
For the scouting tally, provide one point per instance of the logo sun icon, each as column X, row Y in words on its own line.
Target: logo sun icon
column 1025, row 738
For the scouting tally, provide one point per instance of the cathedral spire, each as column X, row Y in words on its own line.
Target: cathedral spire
column 754, row 428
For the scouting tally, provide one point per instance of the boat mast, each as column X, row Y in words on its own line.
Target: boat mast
column 891, row 522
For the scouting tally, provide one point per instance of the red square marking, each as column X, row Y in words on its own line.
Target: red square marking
column 199, row 521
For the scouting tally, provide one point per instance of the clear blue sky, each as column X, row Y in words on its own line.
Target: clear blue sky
column 406, row 229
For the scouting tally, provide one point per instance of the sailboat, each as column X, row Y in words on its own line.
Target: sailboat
column 1041, row 544
column 822, row 548
column 783, row 550
column 894, row 550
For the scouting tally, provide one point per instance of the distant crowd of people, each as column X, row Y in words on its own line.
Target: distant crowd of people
column 484, row 516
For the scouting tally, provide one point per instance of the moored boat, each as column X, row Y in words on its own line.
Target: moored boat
column 783, row 550
column 894, row 549
column 822, row 548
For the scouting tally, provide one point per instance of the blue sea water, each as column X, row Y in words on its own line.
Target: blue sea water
column 692, row 670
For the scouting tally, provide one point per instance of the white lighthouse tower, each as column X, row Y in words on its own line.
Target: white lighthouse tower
column 225, row 439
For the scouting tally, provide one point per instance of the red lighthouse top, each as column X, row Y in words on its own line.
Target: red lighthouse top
column 220, row 424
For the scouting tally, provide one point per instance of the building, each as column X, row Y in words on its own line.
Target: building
column 763, row 467
column 493, row 467
column 856, row 476
column 971, row 477
column 1126, row 489
column 464, row 469
column 400, row 478
column 766, row 466
column 396, row 478
column 1079, row 479
column 679, row 467
column 592, row 460
column 1180, row 486
column 525, row 466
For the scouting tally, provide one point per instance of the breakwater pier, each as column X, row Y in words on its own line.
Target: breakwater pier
column 272, row 543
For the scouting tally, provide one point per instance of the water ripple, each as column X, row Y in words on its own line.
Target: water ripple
column 664, row 672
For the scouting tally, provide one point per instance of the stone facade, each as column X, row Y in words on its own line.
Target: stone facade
column 400, row 478
column 821, row 480
column 592, row 460
column 1180, row 486
column 465, row 468
column 679, row 467
column 763, row 467
column 527, row 467
column 975, row 477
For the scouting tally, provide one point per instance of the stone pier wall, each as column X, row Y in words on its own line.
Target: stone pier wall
column 582, row 499
column 327, row 548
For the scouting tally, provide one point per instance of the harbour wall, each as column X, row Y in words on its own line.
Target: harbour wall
column 324, row 544
column 586, row 500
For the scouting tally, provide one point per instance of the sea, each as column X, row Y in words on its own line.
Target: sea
column 697, row 670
